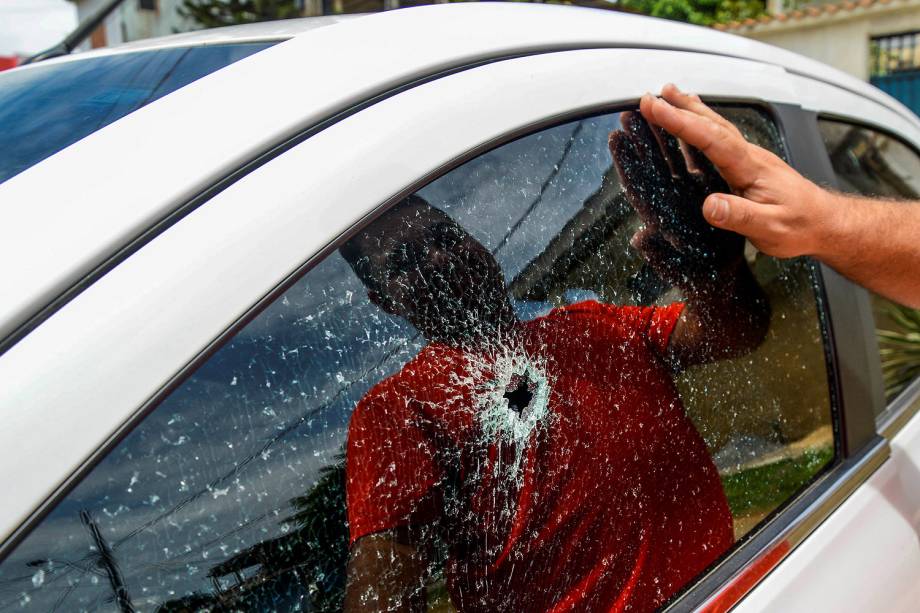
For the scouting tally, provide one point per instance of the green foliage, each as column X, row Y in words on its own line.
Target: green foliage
column 217, row 13
column 900, row 349
column 699, row 12
column 321, row 536
column 763, row 488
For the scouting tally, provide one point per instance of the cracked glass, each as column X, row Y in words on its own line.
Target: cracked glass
column 540, row 383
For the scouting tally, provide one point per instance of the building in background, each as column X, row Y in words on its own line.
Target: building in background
column 139, row 19
column 875, row 40
column 133, row 20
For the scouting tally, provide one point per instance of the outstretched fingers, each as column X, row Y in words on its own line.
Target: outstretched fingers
column 647, row 143
column 723, row 145
column 690, row 102
column 634, row 175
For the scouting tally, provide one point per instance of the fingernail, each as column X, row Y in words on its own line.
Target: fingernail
column 719, row 211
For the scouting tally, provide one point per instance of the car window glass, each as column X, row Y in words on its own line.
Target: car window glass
column 46, row 108
column 541, row 381
column 871, row 163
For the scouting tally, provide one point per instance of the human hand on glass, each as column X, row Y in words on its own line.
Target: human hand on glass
column 666, row 182
column 872, row 241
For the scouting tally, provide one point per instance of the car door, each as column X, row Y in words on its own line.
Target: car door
column 866, row 156
column 200, row 409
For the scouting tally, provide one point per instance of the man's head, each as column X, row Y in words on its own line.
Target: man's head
column 418, row 263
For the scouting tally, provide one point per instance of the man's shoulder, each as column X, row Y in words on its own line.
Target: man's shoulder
column 604, row 319
column 590, row 309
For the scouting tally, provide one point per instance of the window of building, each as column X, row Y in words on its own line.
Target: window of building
column 147, row 5
column 541, row 380
column 870, row 163
column 894, row 66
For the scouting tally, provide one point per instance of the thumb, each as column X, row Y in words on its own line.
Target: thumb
column 736, row 214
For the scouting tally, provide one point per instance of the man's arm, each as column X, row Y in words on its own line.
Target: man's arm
column 871, row 241
column 725, row 319
column 726, row 314
column 386, row 572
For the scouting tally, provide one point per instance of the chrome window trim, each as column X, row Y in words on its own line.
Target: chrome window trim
column 900, row 411
column 821, row 499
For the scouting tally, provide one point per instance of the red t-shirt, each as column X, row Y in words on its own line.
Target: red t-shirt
column 608, row 502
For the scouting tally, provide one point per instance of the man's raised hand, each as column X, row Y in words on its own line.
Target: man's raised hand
column 781, row 212
column 666, row 184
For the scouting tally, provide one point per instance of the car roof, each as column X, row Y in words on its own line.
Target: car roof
column 657, row 34
column 312, row 77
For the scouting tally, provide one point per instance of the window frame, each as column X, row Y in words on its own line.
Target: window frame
column 790, row 524
column 891, row 415
column 845, row 307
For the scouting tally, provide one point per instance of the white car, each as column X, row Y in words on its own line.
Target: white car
column 184, row 338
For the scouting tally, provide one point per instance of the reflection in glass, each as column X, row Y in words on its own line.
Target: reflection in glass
column 542, row 382
column 44, row 108
column 870, row 163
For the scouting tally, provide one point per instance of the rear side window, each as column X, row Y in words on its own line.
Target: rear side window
column 46, row 108
column 540, row 382
column 871, row 163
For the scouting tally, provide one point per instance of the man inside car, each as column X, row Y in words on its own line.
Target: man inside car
column 552, row 457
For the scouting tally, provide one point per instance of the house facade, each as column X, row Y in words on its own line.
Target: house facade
column 139, row 19
column 875, row 40
column 133, row 20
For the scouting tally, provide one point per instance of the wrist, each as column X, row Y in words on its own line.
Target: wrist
column 830, row 223
column 717, row 282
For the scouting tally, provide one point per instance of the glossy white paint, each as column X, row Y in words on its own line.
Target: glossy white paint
column 179, row 292
column 68, row 214
column 866, row 556
column 77, row 378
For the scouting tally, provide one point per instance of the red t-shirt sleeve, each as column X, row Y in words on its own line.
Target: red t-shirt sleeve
column 391, row 471
column 661, row 323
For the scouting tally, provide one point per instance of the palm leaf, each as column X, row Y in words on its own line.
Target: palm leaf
column 900, row 349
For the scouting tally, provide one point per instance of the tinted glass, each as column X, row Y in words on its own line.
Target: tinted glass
column 541, row 382
column 46, row 108
column 870, row 163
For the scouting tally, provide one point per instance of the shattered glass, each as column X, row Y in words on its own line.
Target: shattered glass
column 537, row 384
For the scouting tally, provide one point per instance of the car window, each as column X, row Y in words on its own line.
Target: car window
column 871, row 163
column 46, row 108
column 541, row 381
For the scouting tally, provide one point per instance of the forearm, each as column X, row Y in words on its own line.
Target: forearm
column 725, row 317
column 875, row 243
column 385, row 575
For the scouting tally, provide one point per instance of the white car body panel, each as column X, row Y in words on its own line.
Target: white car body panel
column 68, row 198
column 291, row 207
column 156, row 311
column 866, row 556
